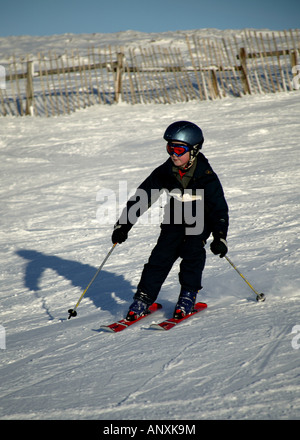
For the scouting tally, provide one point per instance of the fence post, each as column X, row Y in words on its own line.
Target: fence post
column 245, row 80
column 29, row 89
column 214, row 83
column 119, row 70
column 293, row 58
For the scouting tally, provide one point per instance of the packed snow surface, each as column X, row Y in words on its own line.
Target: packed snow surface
column 238, row 359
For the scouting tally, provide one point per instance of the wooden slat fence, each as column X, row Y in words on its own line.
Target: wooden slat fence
column 256, row 63
column 211, row 68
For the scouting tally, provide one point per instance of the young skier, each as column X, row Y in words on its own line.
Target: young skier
column 186, row 171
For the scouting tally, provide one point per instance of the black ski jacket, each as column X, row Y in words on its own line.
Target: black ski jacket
column 216, row 219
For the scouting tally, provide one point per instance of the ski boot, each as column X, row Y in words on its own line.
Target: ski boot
column 185, row 304
column 139, row 307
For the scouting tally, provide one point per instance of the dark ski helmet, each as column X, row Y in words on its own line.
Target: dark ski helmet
column 188, row 133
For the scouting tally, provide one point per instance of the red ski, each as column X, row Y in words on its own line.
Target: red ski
column 123, row 323
column 170, row 323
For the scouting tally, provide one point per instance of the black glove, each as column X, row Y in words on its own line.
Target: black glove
column 120, row 233
column 219, row 246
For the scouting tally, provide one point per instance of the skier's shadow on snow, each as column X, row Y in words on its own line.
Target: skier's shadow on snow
column 100, row 292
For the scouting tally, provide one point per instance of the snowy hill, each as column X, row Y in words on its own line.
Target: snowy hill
column 238, row 359
column 59, row 43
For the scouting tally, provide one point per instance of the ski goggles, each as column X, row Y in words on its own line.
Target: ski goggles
column 177, row 149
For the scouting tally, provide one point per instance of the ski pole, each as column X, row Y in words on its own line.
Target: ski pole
column 259, row 296
column 72, row 312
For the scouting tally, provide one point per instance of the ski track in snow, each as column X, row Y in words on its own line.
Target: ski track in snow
column 235, row 360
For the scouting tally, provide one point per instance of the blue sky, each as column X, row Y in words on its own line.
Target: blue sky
column 48, row 17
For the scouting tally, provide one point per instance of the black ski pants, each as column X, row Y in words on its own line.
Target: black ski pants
column 172, row 244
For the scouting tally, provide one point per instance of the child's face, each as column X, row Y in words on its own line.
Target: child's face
column 180, row 161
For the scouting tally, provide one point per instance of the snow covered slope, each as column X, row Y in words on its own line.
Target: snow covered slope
column 238, row 359
column 26, row 44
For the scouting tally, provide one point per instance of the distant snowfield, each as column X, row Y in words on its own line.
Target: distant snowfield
column 27, row 44
column 32, row 45
column 238, row 359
